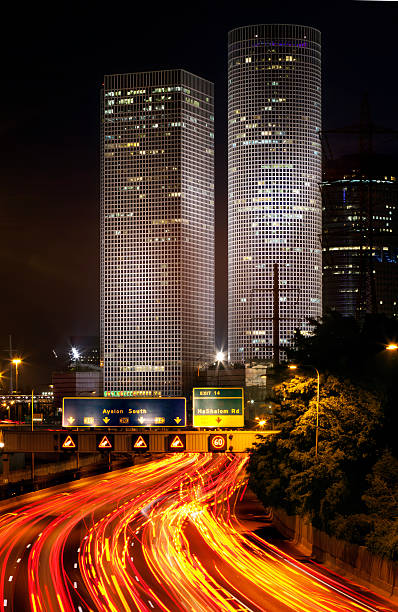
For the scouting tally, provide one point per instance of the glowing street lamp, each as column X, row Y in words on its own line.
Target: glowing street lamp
column 294, row 367
column 75, row 355
column 392, row 347
column 16, row 362
column 220, row 357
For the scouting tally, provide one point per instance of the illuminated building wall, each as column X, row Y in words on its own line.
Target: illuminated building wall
column 74, row 384
column 157, row 230
column 274, row 166
column 360, row 236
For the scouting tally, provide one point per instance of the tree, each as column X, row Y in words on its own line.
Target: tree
column 377, row 527
column 351, row 489
column 381, row 499
column 348, row 350
column 284, row 471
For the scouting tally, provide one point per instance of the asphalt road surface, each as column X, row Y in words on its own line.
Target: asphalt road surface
column 165, row 535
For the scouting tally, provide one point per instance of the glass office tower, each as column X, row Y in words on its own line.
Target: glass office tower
column 157, row 231
column 360, row 235
column 274, row 166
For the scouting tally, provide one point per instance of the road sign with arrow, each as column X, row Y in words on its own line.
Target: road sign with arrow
column 218, row 407
column 124, row 411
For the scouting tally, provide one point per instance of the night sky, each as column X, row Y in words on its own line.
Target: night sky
column 53, row 64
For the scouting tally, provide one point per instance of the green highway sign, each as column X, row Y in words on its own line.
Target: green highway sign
column 218, row 407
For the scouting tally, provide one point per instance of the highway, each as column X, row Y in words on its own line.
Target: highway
column 163, row 535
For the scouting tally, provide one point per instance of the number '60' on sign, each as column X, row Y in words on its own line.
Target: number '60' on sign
column 217, row 443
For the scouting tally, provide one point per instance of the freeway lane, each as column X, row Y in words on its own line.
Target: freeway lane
column 38, row 568
column 159, row 536
column 196, row 545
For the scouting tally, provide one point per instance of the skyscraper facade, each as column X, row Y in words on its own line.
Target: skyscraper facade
column 157, row 230
column 274, row 168
column 360, row 236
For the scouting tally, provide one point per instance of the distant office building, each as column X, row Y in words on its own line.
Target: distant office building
column 274, row 165
column 220, row 375
column 75, row 384
column 360, row 236
column 157, row 230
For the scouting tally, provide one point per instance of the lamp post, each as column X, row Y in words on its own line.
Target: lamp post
column 16, row 362
column 307, row 365
column 32, row 407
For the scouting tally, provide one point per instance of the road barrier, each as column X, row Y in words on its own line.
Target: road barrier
column 237, row 441
column 377, row 573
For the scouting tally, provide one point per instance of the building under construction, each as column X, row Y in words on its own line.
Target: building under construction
column 360, row 235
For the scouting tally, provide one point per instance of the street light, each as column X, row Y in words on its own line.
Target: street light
column 307, row 365
column 75, row 353
column 261, row 421
column 392, row 347
column 220, row 356
column 16, row 362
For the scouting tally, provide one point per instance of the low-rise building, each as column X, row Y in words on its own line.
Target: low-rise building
column 76, row 383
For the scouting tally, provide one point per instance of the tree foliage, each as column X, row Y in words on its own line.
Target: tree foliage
column 381, row 499
column 284, row 469
column 378, row 528
column 351, row 489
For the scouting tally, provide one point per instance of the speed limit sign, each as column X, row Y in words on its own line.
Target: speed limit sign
column 217, row 443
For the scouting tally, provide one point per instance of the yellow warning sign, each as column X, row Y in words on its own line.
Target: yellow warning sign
column 140, row 443
column 104, row 443
column 177, row 443
column 68, row 443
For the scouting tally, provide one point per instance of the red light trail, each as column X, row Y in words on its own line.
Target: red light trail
column 159, row 536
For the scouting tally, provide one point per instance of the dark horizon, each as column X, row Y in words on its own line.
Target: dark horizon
column 50, row 127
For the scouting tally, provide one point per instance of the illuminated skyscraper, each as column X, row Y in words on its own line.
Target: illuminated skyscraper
column 274, row 165
column 157, row 230
column 360, row 235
